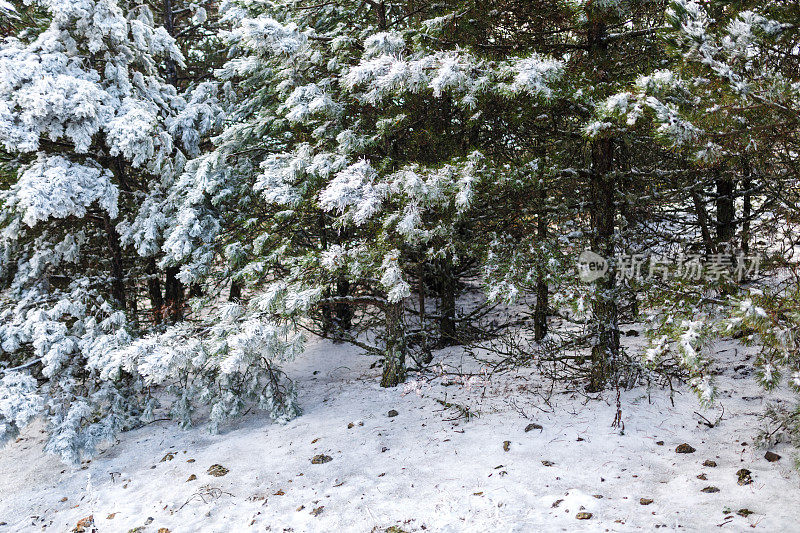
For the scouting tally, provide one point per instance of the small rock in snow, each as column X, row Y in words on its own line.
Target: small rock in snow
column 684, row 448
column 217, row 470
column 191, row 478
column 321, row 459
column 85, row 524
column 583, row 515
column 745, row 476
column 531, row 427
column 645, row 501
column 772, row 457
column 506, row 445
column 744, row 512
column 392, row 413
column 709, row 463
column 709, row 490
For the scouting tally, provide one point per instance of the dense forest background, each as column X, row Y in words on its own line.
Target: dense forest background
column 191, row 190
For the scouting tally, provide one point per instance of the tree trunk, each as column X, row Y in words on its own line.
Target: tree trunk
column 542, row 296
column 421, row 294
column 117, row 273
column 726, row 211
column 235, row 293
column 605, row 348
column 380, row 14
column 173, row 287
column 605, row 323
column 174, row 294
column 327, row 313
column 747, row 210
column 702, row 221
column 344, row 311
column 154, row 291
column 195, row 290
column 447, row 297
column 394, row 370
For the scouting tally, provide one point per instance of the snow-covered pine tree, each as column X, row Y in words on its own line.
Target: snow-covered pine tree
column 728, row 103
column 259, row 191
column 365, row 131
column 539, row 123
column 95, row 137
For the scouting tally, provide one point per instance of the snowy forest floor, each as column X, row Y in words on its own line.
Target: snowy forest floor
column 426, row 468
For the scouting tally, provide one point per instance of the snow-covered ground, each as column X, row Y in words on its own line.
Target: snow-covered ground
column 426, row 468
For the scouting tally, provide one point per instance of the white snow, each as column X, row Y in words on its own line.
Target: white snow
column 425, row 468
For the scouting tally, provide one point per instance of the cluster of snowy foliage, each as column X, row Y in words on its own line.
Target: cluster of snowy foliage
column 55, row 187
column 226, row 370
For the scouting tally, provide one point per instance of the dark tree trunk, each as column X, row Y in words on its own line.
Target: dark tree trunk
column 702, row 221
column 427, row 355
column 154, row 291
column 380, row 14
column 327, row 313
column 195, row 290
column 605, row 326
column 117, row 272
column 327, row 306
column 174, row 290
column 394, row 363
column 747, row 210
column 174, row 294
column 726, row 211
column 542, row 296
column 344, row 311
column 421, row 293
column 447, row 285
column 235, row 293
column 133, row 306
column 605, row 348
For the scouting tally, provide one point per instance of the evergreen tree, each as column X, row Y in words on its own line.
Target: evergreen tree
column 98, row 137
